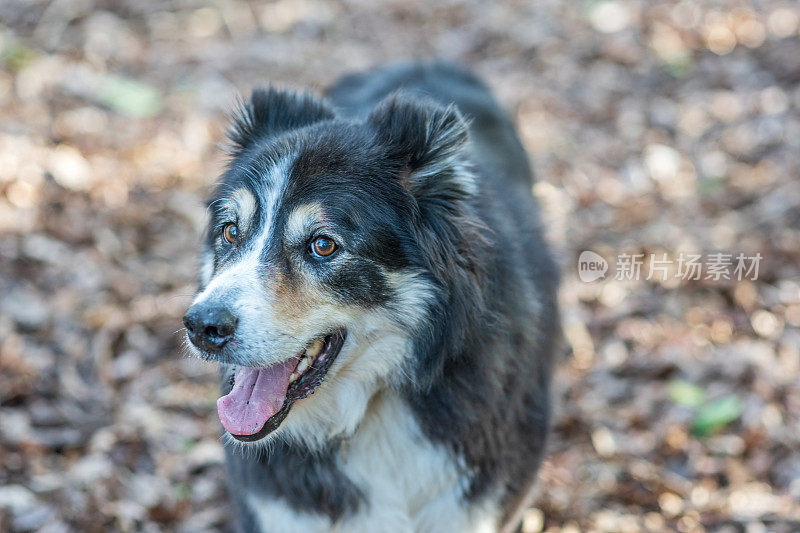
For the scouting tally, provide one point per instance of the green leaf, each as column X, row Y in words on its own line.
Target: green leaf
column 16, row 57
column 685, row 393
column 129, row 97
column 183, row 491
column 710, row 184
column 679, row 66
column 716, row 415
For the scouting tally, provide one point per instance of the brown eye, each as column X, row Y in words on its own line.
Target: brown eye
column 229, row 231
column 323, row 246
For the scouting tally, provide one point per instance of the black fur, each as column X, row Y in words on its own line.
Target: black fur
column 298, row 476
column 271, row 112
column 393, row 169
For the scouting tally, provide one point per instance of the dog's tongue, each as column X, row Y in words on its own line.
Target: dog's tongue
column 257, row 394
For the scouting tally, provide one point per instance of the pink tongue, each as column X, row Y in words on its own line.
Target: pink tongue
column 257, row 394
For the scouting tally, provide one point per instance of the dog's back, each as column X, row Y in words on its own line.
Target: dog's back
column 495, row 144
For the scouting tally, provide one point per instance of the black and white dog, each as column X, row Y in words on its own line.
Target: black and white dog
column 381, row 250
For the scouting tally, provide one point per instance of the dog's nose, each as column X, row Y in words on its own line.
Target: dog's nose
column 210, row 327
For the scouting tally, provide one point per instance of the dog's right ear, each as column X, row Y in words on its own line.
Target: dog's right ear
column 273, row 111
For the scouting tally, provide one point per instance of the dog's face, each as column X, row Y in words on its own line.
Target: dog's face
column 316, row 275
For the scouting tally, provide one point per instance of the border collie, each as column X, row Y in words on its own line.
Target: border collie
column 378, row 293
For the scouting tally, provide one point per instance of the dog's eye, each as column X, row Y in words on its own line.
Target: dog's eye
column 229, row 231
column 323, row 246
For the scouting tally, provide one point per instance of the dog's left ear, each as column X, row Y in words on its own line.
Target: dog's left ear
column 426, row 140
column 273, row 111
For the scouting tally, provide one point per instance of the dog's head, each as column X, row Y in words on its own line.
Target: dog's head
column 332, row 251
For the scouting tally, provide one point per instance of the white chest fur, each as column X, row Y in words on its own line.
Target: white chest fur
column 411, row 484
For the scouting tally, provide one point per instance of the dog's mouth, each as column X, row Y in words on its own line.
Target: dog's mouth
column 261, row 397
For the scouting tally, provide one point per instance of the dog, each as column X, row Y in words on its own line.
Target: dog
column 378, row 292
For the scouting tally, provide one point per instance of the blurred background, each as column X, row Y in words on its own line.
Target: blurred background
column 654, row 127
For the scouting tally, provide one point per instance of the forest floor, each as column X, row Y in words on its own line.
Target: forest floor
column 657, row 130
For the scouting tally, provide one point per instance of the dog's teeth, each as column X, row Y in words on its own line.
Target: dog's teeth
column 293, row 377
column 314, row 348
column 303, row 365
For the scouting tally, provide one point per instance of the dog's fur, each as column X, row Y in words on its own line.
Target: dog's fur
column 434, row 415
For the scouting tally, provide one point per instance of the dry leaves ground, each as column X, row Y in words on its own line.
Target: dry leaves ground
column 654, row 126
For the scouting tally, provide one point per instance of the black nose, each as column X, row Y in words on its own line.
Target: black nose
column 209, row 326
